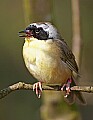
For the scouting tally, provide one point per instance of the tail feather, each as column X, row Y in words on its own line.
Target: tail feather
column 75, row 94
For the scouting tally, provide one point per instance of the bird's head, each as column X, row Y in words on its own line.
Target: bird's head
column 41, row 31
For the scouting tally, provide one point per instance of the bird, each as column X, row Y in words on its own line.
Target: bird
column 49, row 59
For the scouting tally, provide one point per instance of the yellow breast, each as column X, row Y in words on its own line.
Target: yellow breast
column 42, row 58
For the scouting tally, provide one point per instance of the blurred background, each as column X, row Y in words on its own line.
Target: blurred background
column 15, row 16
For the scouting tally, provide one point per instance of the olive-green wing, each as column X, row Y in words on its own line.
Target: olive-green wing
column 67, row 56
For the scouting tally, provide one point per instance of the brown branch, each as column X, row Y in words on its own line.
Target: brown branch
column 24, row 86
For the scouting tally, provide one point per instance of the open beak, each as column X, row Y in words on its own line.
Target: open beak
column 22, row 33
column 25, row 33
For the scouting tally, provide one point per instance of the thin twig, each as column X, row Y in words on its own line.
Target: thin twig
column 24, row 86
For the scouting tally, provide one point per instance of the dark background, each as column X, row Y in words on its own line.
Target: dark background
column 22, row 105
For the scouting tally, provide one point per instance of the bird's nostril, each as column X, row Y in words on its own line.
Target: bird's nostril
column 27, row 31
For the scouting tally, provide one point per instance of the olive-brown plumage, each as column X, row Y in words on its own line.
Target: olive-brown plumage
column 48, row 57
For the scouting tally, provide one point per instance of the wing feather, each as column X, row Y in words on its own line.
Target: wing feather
column 67, row 55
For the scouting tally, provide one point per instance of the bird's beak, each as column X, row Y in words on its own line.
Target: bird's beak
column 22, row 33
column 26, row 33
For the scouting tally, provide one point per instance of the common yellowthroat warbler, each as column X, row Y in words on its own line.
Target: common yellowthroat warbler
column 49, row 59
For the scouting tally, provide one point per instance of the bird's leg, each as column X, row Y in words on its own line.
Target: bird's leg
column 66, row 87
column 38, row 88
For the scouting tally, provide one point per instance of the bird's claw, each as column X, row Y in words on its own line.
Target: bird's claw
column 37, row 87
column 66, row 87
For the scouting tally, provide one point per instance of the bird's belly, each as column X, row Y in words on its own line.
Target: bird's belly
column 46, row 67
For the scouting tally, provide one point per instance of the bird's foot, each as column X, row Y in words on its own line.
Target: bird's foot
column 66, row 87
column 37, row 87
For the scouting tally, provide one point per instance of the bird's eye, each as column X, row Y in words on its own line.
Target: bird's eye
column 37, row 30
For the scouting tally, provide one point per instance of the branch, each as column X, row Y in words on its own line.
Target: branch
column 24, row 86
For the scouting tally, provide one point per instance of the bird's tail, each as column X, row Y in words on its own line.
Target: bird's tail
column 73, row 95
